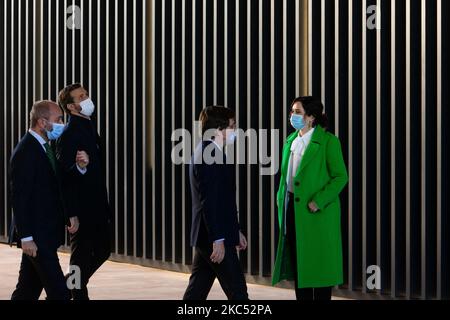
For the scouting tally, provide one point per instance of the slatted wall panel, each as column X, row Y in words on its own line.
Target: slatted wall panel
column 151, row 66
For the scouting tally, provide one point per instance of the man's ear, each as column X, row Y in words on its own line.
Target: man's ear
column 311, row 119
column 72, row 107
column 41, row 123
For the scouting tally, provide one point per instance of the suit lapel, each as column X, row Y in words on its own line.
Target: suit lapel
column 313, row 147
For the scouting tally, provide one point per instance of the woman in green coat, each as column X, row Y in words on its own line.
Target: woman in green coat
column 309, row 215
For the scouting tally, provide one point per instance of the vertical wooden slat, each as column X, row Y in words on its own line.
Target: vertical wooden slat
column 107, row 97
column 57, row 58
column 116, row 118
column 310, row 47
column 194, row 67
column 237, row 101
column 134, row 163
column 19, row 71
column 393, row 199
column 163, row 124
column 297, row 48
column 82, row 43
column 439, row 124
column 27, row 63
column 40, row 65
column 125, row 127
column 408, row 149
column 49, row 48
column 249, row 125
column 379, row 16
column 146, row 52
column 272, row 123
column 99, row 57
column 153, row 122
column 323, row 50
column 215, row 52
column 173, row 115
column 364, row 143
column 285, row 102
column 5, row 120
column 65, row 46
column 204, row 54
column 225, row 39
column 91, row 29
column 423, row 153
column 13, row 77
column 350, row 146
column 261, row 125
column 74, row 51
column 183, row 115
column 336, row 67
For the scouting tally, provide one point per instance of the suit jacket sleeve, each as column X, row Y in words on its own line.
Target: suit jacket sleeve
column 66, row 154
column 209, row 183
column 22, row 177
column 338, row 174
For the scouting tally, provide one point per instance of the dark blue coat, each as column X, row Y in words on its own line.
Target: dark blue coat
column 213, row 189
column 35, row 196
column 85, row 196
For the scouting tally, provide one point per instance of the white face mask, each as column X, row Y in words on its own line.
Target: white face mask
column 87, row 107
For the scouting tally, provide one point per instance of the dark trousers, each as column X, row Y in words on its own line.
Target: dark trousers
column 300, row 293
column 204, row 272
column 90, row 248
column 41, row 272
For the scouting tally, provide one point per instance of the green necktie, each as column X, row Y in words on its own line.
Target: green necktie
column 51, row 156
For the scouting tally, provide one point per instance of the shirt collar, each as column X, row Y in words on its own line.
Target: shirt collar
column 37, row 137
column 307, row 137
column 302, row 140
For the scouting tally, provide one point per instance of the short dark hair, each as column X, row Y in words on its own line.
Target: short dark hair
column 216, row 117
column 64, row 97
column 313, row 107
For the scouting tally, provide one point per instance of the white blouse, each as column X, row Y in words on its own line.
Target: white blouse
column 298, row 148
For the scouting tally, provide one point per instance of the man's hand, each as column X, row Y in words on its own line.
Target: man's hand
column 30, row 248
column 218, row 252
column 82, row 159
column 74, row 225
column 242, row 242
column 313, row 207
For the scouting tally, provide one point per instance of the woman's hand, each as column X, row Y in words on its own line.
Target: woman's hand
column 313, row 207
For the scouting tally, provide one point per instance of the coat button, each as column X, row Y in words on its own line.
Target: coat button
column 297, row 184
column 297, row 199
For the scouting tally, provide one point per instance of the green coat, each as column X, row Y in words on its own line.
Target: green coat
column 321, row 176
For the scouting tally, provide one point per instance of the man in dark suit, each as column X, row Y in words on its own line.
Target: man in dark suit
column 38, row 216
column 215, row 230
column 84, row 193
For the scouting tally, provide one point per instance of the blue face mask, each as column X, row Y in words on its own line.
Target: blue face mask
column 297, row 122
column 56, row 131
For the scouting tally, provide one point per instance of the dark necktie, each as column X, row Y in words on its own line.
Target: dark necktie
column 51, row 156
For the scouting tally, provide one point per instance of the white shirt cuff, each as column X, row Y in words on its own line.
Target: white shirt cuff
column 220, row 240
column 27, row 239
column 82, row 171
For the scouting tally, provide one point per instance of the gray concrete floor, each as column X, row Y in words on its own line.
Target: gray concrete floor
column 118, row 281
